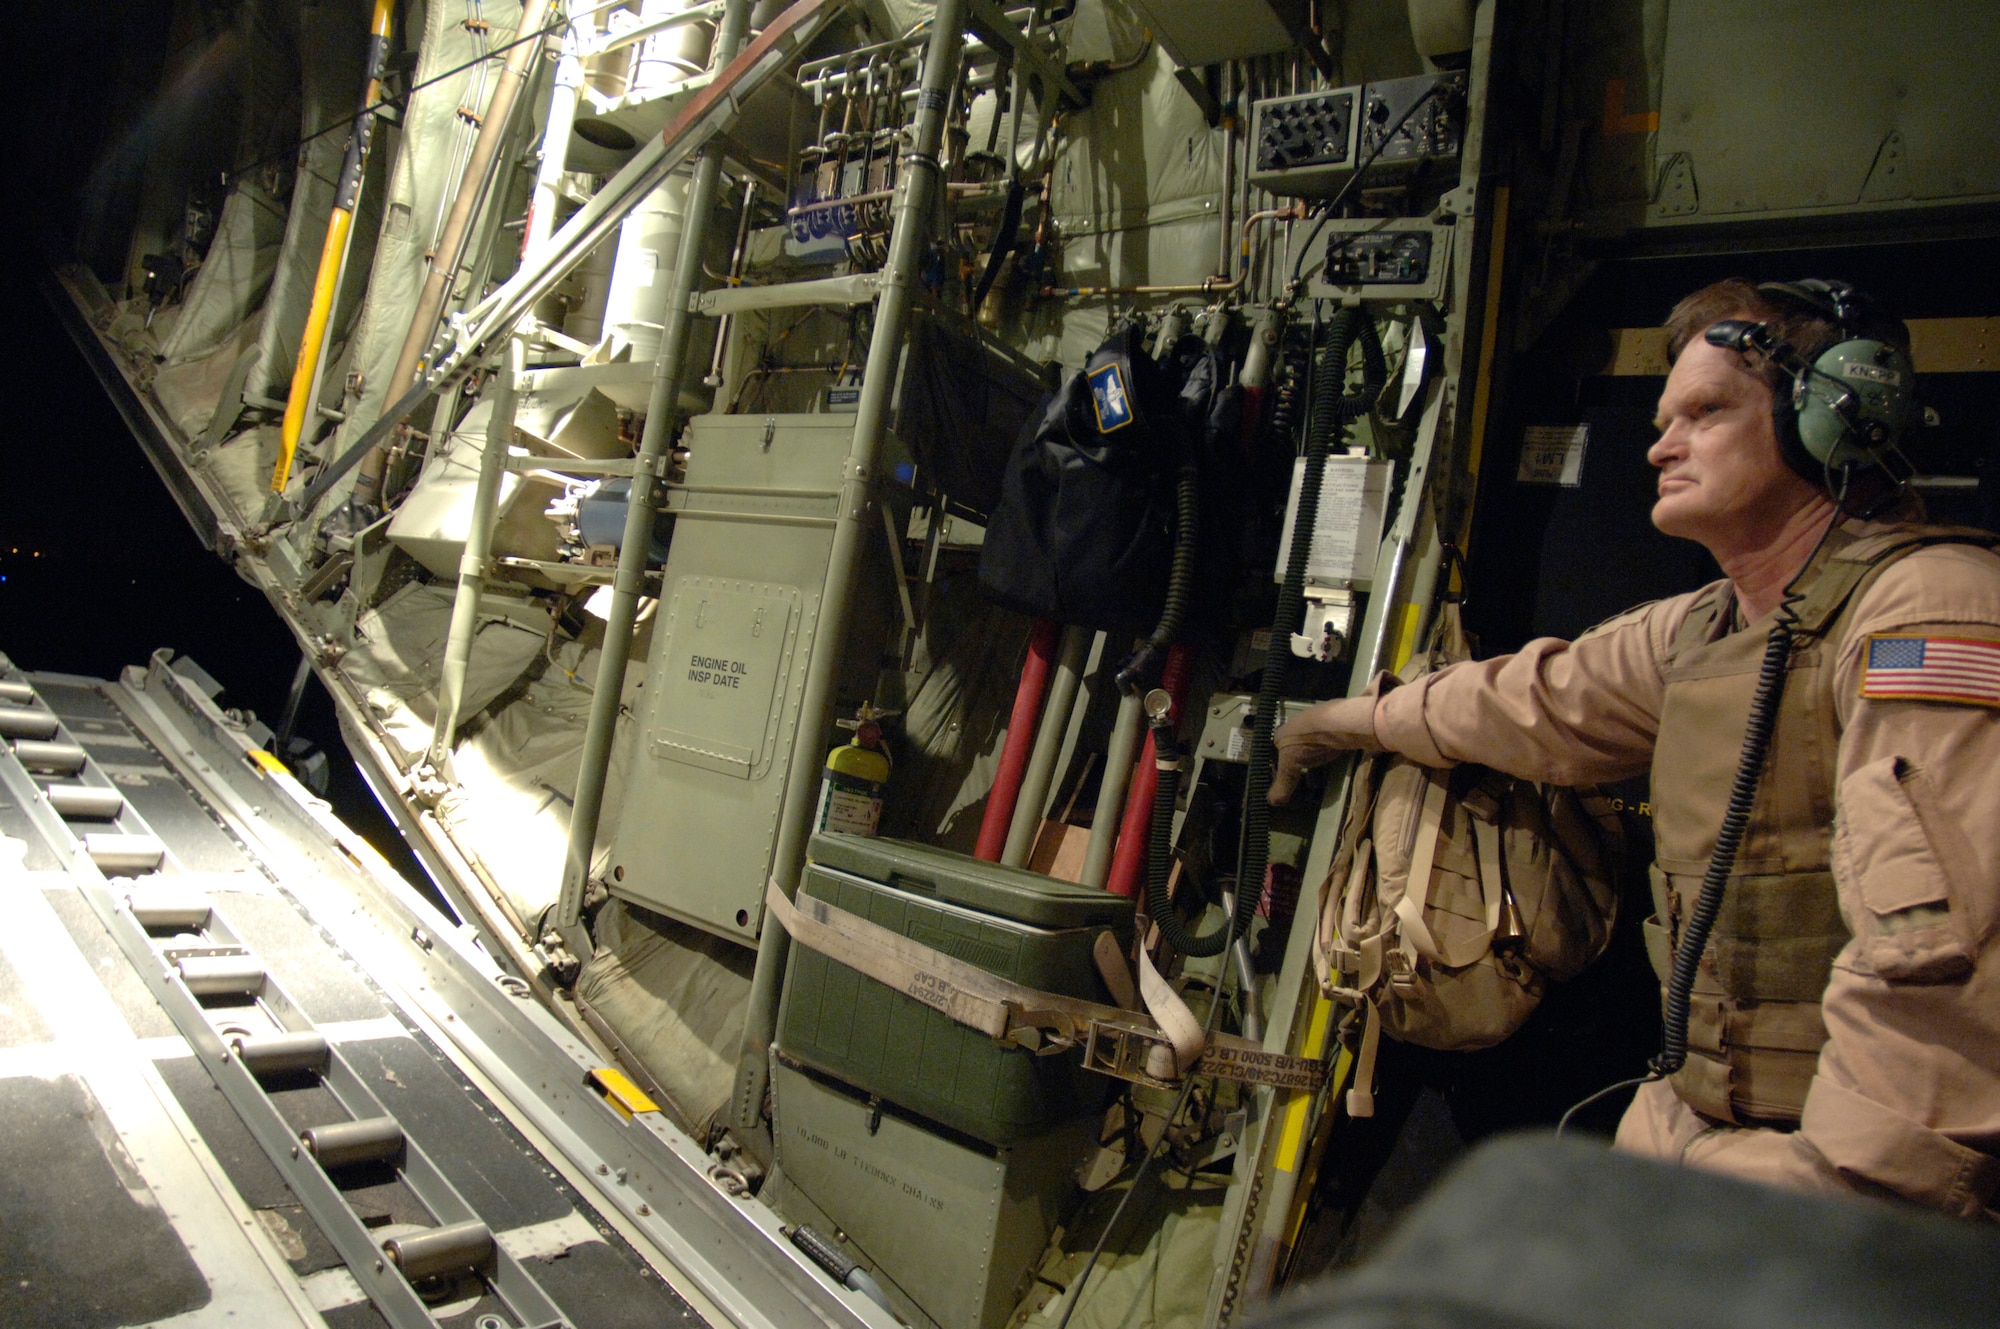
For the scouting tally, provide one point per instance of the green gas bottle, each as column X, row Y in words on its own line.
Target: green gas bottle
column 855, row 778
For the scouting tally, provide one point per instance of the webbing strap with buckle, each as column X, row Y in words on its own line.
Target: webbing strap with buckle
column 1117, row 1042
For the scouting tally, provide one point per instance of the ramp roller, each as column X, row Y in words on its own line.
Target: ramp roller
column 452, row 1249
column 53, row 756
column 124, row 855
column 270, row 1054
column 18, row 694
column 369, row 1140
column 82, row 802
column 168, row 908
column 222, row 975
column 27, row 722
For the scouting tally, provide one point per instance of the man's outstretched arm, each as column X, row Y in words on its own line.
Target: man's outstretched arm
column 1579, row 712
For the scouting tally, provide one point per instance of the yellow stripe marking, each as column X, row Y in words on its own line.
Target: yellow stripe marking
column 620, row 1092
column 1296, row 1107
column 1406, row 637
column 1489, row 336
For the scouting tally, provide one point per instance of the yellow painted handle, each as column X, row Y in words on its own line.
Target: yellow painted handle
column 311, row 343
column 332, row 254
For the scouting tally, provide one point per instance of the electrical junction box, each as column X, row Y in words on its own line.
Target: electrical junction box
column 1303, row 144
column 711, row 740
column 950, row 1228
column 1433, row 132
column 1034, row 930
column 1382, row 258
column 1307, row 144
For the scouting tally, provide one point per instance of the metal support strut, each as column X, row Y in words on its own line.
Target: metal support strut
column 475, row 562
column 919, row 188
column 669, row 371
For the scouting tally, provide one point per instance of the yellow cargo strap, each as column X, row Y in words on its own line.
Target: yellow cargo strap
column 1116, row 1042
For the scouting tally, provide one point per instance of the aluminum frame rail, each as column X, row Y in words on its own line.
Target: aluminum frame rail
column 472, row 333
column 664, row 1194
column 919, row 186
column 635, row 541
column 218, row 962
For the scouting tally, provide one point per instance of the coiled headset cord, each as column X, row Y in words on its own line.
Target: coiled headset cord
column 1757, row 735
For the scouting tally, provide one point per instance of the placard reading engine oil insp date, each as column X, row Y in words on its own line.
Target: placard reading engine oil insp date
column 731, row 646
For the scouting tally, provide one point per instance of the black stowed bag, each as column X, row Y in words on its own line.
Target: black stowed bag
column 1084, row 530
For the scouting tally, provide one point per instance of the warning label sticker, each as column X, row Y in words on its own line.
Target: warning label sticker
column 1553, row 455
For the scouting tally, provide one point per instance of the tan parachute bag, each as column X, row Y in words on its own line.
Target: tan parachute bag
column 1455, row 895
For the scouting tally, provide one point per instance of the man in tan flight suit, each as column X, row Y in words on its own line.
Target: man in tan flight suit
column 1845, row 1033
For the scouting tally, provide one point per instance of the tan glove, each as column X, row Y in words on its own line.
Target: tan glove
column 1315, row 737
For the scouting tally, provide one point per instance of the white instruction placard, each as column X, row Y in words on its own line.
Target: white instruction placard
column 1553, row 455
column 1353, row 496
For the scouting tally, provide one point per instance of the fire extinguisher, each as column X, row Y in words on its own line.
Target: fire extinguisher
column 855, row 777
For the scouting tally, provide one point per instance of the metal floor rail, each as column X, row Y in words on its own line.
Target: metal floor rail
column 236, row 1015
column 257, row 1043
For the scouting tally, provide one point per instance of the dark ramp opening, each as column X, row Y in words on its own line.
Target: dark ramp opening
column 82, row 1242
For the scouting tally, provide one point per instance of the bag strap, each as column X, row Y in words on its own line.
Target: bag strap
column 1009, row 1012
column 1416, row 935
column 1417, row 938
column 1361, row 1097
column 1492, row 885
column 1357, row 882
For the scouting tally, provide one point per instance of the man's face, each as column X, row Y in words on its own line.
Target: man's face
column 1723, row 482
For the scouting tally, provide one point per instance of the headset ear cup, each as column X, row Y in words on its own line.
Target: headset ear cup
column 1856, row 404
column 1785, row 423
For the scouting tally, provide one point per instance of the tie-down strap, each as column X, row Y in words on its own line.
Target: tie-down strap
column 1115, row 1042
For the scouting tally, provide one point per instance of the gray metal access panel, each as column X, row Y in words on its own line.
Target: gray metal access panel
column 739, row 603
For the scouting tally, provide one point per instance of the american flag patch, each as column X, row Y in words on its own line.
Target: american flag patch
column 1960, row 669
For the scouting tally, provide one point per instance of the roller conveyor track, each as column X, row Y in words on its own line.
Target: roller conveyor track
column 400, row 1200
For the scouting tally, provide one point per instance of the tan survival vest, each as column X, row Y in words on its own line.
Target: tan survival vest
column 1755, row 1031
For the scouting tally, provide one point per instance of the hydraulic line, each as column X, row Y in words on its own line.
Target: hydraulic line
column 1331, row 414
column 333, row 253
column 1160, row 847
column 1032, row 800
column 1020, row 738
column 1119, row 754
column 1129, row 861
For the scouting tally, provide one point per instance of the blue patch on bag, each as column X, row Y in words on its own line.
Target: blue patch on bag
column 1108, row 394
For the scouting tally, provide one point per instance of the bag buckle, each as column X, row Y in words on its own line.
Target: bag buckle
column 1402, row 972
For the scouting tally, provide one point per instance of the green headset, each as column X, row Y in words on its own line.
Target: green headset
column 1852, row 403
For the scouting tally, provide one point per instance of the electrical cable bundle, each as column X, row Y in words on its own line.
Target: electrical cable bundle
column 1331, row 414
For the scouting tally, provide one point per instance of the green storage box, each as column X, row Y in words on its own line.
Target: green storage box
column 1023, row 926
